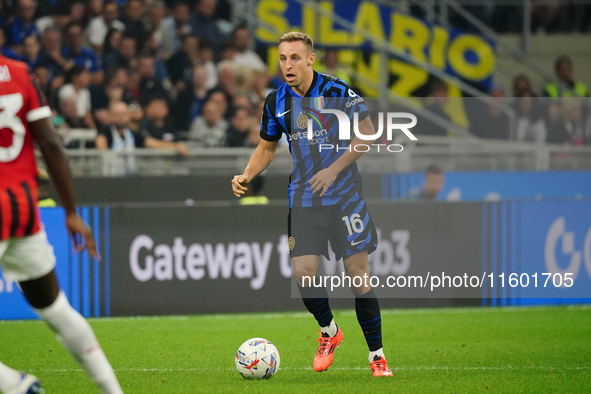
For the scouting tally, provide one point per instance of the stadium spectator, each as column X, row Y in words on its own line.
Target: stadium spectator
column 177, row 26
column 7, row 52
column 226, row 83
column 150, row 48
column 330, row 65
column 155, row 123
column 58, row 19
column 243, row 101
column 254, row 135
column 22, row 25
column 136, row 115
column 80, row 54
column 432, row 185
column 574, row 120
column 209, row 129
column 489, row 121
column 156, row 14
column 95, row 8
column 78, row 13
column 245, row 57
column 220, row 100
column 567, row 86
column 529, row 123
column 150, row 86
column 180, row 64
column 133, row 20
column 435, row 106
column 188, row 103
column 119, row 137
column 521, row 83
column 261, row 85
column 99, row 26
column 112, row 91
column 204, row 24
column 124, row 55
column 237, row 133
column 557, row 133
column 71, row 118
column 77, row 89
column 51, row 53
column 31, row 52
column 206, row 58
column 111, row 44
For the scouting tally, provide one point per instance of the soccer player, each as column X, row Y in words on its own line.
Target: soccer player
column 325, row 196
column 25, row 254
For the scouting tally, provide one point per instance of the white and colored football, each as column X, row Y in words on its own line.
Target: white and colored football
column 257, row 358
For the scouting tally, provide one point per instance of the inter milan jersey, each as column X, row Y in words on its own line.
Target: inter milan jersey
column 287, row 112
column 21, row 102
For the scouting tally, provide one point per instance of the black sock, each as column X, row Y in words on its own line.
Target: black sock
column 316, row 301
column 370, row 319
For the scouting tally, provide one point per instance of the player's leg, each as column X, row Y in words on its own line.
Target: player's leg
column 30, row 260
column 368, row 313
column 316, row 301
column 11, row 380
column 354, row 237
column 315, row 298
column 308, row 239
column 72, row 330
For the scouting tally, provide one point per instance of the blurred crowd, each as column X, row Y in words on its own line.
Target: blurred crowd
column 141, row 72
column 559, row 113
column 175, row 74
column 547, row 16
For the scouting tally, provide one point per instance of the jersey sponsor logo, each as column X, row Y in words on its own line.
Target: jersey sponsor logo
column 355, row 243
column 280, row 114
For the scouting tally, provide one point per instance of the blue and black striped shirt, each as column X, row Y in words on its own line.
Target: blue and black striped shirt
column 287, row 112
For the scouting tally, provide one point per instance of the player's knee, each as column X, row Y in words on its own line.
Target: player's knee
column 302, row 273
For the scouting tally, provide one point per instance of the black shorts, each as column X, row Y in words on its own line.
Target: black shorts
column 348, row 227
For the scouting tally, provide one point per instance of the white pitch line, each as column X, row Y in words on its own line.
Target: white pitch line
column 418, row 368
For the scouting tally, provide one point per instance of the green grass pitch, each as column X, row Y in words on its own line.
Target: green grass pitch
column 539, row 349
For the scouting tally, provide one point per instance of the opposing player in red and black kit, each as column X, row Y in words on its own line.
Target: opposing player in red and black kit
column 325, row 194
column 25, row 254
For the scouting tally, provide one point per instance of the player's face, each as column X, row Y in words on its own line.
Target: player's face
column 296, row 62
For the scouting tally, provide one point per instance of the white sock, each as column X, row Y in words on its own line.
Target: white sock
column 331, row 329
column 74, row 332
column 372, row 354
column 9, row 378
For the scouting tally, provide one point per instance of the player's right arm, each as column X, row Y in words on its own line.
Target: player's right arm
column 265, row 151
column 260, row 159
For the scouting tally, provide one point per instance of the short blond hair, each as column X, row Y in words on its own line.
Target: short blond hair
column 298, row 36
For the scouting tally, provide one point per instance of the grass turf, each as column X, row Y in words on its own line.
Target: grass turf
column 541, row 349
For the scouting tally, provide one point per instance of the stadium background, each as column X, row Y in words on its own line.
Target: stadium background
column 502, row 195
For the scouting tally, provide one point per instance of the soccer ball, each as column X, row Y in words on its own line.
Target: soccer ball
column 257, row 358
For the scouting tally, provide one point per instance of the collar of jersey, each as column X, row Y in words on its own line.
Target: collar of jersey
column 310, row 89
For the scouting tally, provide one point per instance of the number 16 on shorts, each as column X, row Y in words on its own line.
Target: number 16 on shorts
column 354, row 223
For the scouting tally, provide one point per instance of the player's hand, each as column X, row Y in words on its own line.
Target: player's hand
column 322, row 180
column 239, row 183
column 81, row 235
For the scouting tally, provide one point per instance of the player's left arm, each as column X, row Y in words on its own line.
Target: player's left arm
column 321, row 181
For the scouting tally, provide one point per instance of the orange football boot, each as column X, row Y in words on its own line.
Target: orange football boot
column 323, row 358
column 379, row 367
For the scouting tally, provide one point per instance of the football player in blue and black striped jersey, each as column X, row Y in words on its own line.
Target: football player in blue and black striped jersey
column 325, row 194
